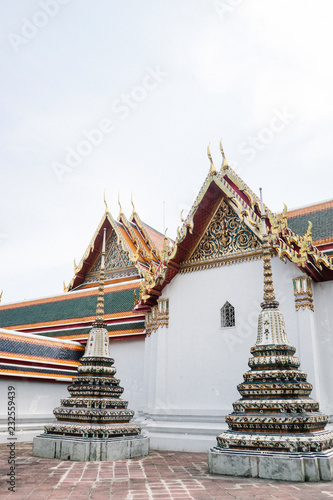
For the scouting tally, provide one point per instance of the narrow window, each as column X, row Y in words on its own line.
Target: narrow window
column 227, row 315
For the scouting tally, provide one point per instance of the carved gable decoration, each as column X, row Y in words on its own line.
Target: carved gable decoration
column 116, row 259
column 227, row 239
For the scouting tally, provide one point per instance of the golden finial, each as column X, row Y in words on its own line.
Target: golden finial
column 181, row 216
column 120, row 209
column 100, row 298
column 1, row 295
column 65, row 287
column 134, row 210
column 269, row 294
column 106, row 205
column 213, row 170
column 225, row 164
column 308, row 234
column 166, row 245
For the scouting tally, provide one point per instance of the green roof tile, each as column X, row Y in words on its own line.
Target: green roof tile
column 322, row 224
column 66, row 309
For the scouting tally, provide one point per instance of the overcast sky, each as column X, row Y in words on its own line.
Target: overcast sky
column 126, row 95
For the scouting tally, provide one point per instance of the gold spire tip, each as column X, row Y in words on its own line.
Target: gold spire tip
column 106, row 205
column 213, row 170
column 132, row 202
column 120, row 208
column 225, row 164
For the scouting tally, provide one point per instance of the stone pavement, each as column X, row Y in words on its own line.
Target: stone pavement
column 163, row 475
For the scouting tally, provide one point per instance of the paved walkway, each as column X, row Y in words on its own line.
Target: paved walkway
column 160, row 476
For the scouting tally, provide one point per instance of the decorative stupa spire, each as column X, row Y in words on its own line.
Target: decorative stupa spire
column 275, row 411
column 270, row 301
column 100, row 298
column 95, row 408
column 271, row 326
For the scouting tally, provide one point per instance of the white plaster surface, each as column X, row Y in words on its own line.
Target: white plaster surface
column 193, row 367
column 280, row 466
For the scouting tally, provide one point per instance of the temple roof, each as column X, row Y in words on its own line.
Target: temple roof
column 225, row 187
column 132, row 248
column 70, row 315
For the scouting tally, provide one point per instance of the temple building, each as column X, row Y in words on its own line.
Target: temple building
column 181, row 315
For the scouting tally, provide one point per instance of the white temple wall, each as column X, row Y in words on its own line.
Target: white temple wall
column 34, row 404
column 193, row 380
column 128, row 357
column 323, row 318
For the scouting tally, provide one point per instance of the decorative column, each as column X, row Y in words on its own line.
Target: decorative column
column 304, row 306
column 93, row 424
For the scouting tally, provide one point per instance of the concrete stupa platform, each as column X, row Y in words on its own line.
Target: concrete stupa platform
column 316, row 466
column 90, row 449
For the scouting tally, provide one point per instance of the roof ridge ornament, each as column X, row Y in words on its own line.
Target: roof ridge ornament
column 132, row 202
column 213, row 170
column 269, row 301
column 100, row 299
column 106, row 205
column 121, row 213
column 225, row 164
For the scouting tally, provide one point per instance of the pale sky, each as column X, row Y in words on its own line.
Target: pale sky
column 126, row 95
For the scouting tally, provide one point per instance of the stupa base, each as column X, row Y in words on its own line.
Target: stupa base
column 317, row 466
column 90, row 449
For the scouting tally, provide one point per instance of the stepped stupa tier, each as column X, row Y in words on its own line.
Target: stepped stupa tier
column 94, row 414
column 275, row 420
column 94, row 408
column 275, row 411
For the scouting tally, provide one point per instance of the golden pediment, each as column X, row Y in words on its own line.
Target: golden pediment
column 227, row 239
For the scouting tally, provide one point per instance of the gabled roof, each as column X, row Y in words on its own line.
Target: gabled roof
column 225, row 185
column 135, row 244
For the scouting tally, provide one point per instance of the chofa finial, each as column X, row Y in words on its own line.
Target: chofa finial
column 120, row 209
column 106, row 205
column 213, row 170
column 225, row 164
column 132, row 202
